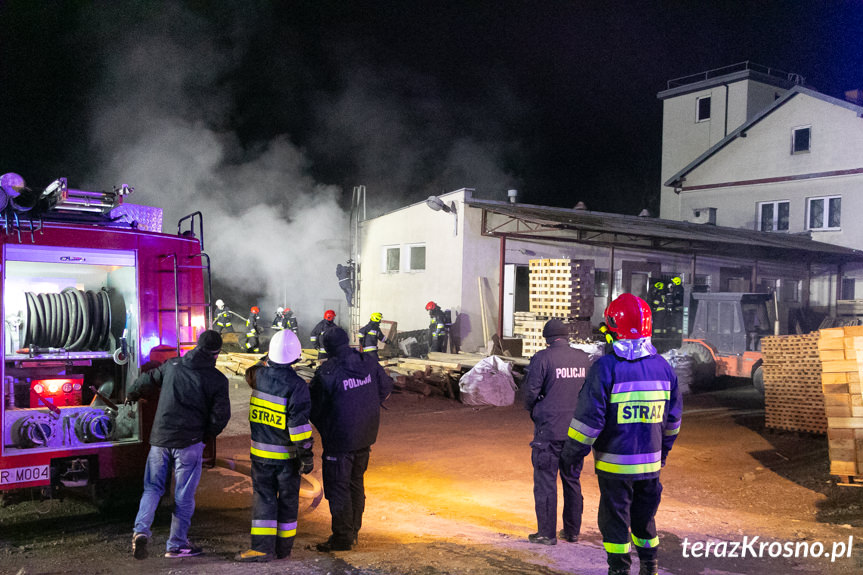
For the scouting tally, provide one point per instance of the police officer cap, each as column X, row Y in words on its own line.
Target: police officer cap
column 210, row 341
column 335, row 338
column 554, row 328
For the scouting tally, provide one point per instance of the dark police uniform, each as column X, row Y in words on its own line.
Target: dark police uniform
column 281, row 442
column 347, row 392
column 554, row 379
column 629, row 411
column 370, row 335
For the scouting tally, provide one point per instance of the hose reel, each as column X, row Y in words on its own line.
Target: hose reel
column 74, row 320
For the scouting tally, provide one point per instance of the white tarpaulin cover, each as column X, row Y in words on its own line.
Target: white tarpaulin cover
column 488, row 383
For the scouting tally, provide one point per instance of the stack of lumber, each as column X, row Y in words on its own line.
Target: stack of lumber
column 841, row 350
column 793, row 399
column 238, row 363
column 528, row 326
column 561, row 287
column 425, row 376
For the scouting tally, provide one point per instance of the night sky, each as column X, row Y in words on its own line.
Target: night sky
column 557, row 99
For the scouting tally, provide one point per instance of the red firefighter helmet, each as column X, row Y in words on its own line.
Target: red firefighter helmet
column 329, row 315
column 430, row 306
column 255, row 309
column 629, row 317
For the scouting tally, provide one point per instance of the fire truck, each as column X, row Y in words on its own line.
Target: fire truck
column 92, row 292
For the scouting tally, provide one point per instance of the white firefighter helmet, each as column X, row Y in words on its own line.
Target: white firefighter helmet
column 12, row 184
column 285, row 347
column 280, row 309
column 220, row 303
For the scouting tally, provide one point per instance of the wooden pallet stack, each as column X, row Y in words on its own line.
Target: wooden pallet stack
column 560, row 288
column 841, row 350
column 793, row 399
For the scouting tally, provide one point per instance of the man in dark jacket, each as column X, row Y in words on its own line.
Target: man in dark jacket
column 629, row 411
column 193, row 407
column 281, row 449
column 347, row 392
column 554, row 378
column 319, row 330
column 370, row 334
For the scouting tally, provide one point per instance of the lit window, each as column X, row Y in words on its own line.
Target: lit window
column 702, row 109
column 824, row 213
column 392, row 259
column 418, row 258
column 800, row 140
column 773, row 216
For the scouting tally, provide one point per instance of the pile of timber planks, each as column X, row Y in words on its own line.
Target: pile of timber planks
column 793, row 399
column 841, row 350
column 425, row 376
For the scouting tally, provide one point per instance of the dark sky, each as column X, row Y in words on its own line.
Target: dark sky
column 555, row 98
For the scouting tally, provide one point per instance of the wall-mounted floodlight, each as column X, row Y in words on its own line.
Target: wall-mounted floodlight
column 439, row 205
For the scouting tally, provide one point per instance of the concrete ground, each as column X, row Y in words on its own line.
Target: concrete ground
column 450, row 492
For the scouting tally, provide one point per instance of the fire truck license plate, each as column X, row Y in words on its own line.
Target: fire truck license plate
column 24, row 474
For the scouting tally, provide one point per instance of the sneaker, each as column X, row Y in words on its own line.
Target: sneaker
column 187, row 550
column 252, row 556
column 567, row 537
column 139, row 545
column 541, row 539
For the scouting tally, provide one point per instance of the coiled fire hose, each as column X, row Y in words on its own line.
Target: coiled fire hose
column 74, row 320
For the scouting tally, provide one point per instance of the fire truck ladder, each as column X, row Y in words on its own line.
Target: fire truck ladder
column 186, row 307
column 358, row 214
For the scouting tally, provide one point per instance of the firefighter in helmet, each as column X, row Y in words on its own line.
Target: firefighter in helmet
column 222, row 323
column 437, row 327
column 371, row 334
column 319, row 330
column 253, row 342
column 280, row 322
column 629, row 412
column 291, row 321
column 280, row 452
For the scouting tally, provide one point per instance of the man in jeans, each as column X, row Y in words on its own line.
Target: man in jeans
column 193, row 406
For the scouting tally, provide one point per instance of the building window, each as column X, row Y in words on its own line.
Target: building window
column 702, row 109
column 800, row 140
column 392, row 259
column 773, row 216
column 600, row 283
column 824, row 213
column 848, row 288
column 417, row 258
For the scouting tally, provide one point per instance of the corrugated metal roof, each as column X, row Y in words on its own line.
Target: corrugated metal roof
column 599, row 228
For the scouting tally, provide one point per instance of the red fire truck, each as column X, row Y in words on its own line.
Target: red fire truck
column 92, row 290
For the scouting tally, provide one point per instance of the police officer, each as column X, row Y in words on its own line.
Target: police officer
column 371, row 334
column 222, row 322
column 437, row 327
column 347, row 392
column 554, row 378
column 253, row 342
column 319, row 330
column 281, row 449
column 629, row 411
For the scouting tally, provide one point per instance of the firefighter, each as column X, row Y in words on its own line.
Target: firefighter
column 674, row 306
column 371, row 334
column 656, row 296
column 253, row 342
column 347, row 392
column 280, row 322
column 554, row 378
column 281, row 449
column 345, row 273
column 292, row 321
column 222, row 322
column 629, row 411
column 319, row 330
column 437, row 327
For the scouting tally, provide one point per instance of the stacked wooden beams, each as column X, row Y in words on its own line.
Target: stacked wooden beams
column 793, row 399
column 425, row 376
column 841, row 350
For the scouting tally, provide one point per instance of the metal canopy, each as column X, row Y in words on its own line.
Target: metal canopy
column 530, row 222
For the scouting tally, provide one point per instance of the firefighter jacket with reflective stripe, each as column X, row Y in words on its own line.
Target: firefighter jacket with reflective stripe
column 629, row 411
column 437, row 323
column 223, row 319
column 279, row 415
column 554, row 378
column 318, row 332
column 347, row 392
column 280, row 322
column 370, row 335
